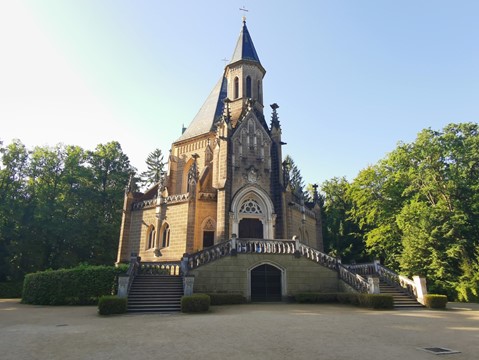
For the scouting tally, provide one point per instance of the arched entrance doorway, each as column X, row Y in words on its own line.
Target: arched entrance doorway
column 250, row 228
column 252, row 214
column 266, row 283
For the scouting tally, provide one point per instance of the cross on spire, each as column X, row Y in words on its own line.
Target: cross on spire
column 244, row 12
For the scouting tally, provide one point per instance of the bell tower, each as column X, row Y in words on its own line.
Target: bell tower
column 244, row 76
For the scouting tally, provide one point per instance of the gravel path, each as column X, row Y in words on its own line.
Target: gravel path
column 252, row 331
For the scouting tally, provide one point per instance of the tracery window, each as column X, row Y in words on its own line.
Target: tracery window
column 250, row 206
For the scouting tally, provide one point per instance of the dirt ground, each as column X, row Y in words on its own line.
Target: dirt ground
column 251, row 331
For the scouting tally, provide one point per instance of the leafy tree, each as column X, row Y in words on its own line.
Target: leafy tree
column 155, row 168
column 13, row 196
column 59, row 206
column 419, row 208
column 341, row 235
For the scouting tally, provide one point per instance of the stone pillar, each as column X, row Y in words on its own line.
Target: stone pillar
column 376, row 265
column 297, row 254
column 184, row 264
column 421, row 288
column 234, row 251
column 123, row 281
column 373, row 285
column 188, row 283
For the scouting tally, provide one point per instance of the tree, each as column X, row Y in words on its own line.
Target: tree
column 59, row 206
column 13, row 197
column 419, row 208
column 155, row 168
column 341, row 235
column 293, row 175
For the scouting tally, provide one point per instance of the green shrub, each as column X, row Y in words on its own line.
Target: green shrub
column 82, row 285
column 111, row 304
column 195, row 303
column 348, row 298
column 315, row 298
column 376, row 301
column 434, row 301
column 226, row 299
column 10, row 290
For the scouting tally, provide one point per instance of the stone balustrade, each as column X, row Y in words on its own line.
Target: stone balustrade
column 265, row 246
column 318, row 256
column 207, row 255
column 160, row 268
column 125, row 281
column 364, row 269
column 356, row 281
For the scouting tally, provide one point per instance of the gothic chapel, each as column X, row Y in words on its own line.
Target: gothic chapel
column 225, row 177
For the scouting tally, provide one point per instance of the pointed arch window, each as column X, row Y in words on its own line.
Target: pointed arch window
column 260, row 95
column 150, row 237
column 236, row 88
column 248, row 87
column 165, row 238
column 209, row 227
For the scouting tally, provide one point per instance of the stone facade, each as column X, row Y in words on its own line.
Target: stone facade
column 232, row 275
column 225, row 178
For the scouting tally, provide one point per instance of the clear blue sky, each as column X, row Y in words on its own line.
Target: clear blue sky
column 352, row 78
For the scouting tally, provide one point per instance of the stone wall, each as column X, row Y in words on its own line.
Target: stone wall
column 231, row 275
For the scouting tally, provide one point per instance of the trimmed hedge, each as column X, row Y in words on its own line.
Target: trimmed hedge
column 82, row 285
column 112, row 304
column 226, row 299
column 435, row 301
column 316, row 298
column 376, row 301
column 11, row 290
column 195, row 303
column 348, row 298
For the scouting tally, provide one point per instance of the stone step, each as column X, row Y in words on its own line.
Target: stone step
column 157, row 288
column 147, row 309
column 132, row 302
column 155, row 293
column 401, row 299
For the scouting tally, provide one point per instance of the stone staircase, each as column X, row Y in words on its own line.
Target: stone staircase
column 155, row 293
column 401, row 299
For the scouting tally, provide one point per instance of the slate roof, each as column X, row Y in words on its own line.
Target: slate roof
column 212, row 109
column 244, row 47
column 209, row 113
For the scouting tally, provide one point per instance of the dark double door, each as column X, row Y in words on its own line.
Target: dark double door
column 265, row 283
column 250, row 229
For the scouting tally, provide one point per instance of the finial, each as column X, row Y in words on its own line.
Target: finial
column 244, row 11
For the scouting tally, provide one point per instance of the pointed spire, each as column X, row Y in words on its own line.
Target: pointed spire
column 244, row 47
column 274, row 116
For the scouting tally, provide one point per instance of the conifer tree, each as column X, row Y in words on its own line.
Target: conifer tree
column 155, row 168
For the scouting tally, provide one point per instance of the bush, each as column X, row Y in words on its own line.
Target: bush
column 348, row 298
column 376, row 301
column 226, row 299
column 82, row 285
column 315, row 298
column 111, row 304
column 434, row 301
column 195, row 303
column 10, row 290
